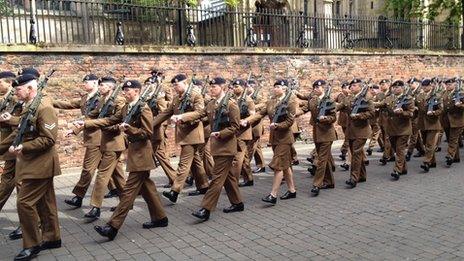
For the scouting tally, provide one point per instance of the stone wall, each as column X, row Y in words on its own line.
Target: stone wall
column 74, row 62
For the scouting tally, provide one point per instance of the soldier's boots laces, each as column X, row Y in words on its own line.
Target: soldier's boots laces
column 234, row 208
column 171, row 195
column 76, row 201
column 106, row 231
column 157, row 223
column 202, row 214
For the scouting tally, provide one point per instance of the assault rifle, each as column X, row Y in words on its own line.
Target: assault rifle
column 186, row 98
column 432, row 102
column 404, row 99
column 92, row 104
column 221, row 119
column 282, row 108
column 25, row 123
column 7, row 100
column 255, row 93
column 326, row 104
column 137, row 108
column 361, row 104
column 153, row 104
column 109, row 103
column 205, row 85
column 242, row 104
column 458, row 96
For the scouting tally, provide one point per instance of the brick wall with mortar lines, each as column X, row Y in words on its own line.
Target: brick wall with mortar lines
column 336, row 68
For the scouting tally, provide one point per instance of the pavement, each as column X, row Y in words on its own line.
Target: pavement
column 419, row 217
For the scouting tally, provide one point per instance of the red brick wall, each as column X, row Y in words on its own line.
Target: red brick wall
column 334, row 67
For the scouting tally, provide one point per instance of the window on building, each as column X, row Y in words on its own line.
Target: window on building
column 372, row 5
column 337, row 7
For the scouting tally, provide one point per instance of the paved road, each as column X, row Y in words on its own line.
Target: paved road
column 421, row 216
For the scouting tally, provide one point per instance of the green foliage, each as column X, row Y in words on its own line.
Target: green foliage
column 233, row 3
column 404, row 9
column 453, row 9
column 407, row 9
column 4, row 8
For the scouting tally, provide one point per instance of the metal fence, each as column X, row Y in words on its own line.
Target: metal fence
column 123, row 22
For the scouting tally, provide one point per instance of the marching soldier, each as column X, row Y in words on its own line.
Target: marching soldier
column 36, row 202
column 374, row 138
column 139, row 162
column 415, row 140
column 429, row 122
column 157, row 105
column 254, row 148
column 323, row 135
column 112, row 146
column 223, row 148
column 358, row 130
column 453, row 119
column 247, row 109
column 9, row 120
column 342, row 122
column 281, row 138
column 92, row 137
column 400, row 109
column 189, row 135
column 388, row 154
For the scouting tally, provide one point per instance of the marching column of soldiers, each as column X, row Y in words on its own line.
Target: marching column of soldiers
column 218, row 125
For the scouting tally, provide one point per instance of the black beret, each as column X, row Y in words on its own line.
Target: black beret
column 156, row 71
column 217, row 80
column 354, row 81
column 251, row 82
column 426, row 82
column 281, row 82
column 197, row 82
column 106, row 79
column 90, row 77
column 318, row 83
column 238, row 82
column 413, row 80
column 345, row 84
column 132, row 84
column 30, row 70
column 384, row 81
column 23, row 79
column 450, row 80
column 179, row 78
column 375, row 86
column 7, row 74
column 398, row 83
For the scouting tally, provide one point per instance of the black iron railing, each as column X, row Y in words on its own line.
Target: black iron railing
column 125, row 22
